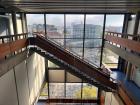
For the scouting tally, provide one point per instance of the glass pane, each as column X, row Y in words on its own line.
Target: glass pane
column 73, row 90
column 94, row 26
column 76, row 43
column 52, row 65
column 44, row 93
column 90, row 43
column 3, row 26
column 70, row 78
column 35, row 23
column 110, row 58
column 19, row 24
column 58, row 41
column 74, row 26
column 89, row 91
column 136, row 75
column 56, row 90
column 131, row 24
column 60, row 78
column 76, row 51
column 93, row 55
column 114, row 23
column 55, row 25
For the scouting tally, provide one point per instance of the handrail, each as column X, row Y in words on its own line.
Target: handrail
column 9, row 36
column 124, row 42
column 10, row 45
column 122, row 34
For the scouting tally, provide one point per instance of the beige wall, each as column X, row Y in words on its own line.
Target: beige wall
column 112, row 99
column 23, row 82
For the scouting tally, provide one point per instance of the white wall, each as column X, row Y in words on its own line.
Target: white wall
column 29, row 79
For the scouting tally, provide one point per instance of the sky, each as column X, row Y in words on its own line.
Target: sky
column 58, row 19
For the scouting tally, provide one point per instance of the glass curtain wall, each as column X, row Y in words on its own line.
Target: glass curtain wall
column 66, row 85
column 79, row 33
column 114, row 23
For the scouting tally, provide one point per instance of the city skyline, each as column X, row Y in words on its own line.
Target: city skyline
column 112, row 20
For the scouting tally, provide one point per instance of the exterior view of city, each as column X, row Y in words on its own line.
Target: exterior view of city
column 81, row 35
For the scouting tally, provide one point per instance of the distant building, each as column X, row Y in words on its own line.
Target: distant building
column 91, row 31
column 114, row 29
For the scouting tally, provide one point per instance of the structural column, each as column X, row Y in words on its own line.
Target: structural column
column 136, row 25
column 122, row 62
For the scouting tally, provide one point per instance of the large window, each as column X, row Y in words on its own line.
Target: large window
column 93, row 38
column 114, row 23
column 74, row 33
column 81, row 34
column 55, row 27
column 89, row 91
column 56, row 90
column 73, row 90
column 135, row 76
column 35, row 23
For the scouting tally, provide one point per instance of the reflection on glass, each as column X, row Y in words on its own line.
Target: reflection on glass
column 35, row 23
column 74, row 43
column 58, row 41
column 114, row 23
column 94, row 26
column 74, row 26
column 93, row 55
column 56, row 90
column 110, row 58
column 89, row 91
column 73, row 90
column 55, row 25
column 76, row 51
column 44, row 93
column 19, row 24
column 92, row 43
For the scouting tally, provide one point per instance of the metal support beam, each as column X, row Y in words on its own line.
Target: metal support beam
column 122, row 62
column 136, row 25
column 14, row 23
column 103, row 41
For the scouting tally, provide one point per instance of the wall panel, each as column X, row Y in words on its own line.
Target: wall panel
column 22, row 83
column 8, row 95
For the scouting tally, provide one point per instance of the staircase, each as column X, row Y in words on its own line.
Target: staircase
column 74, row 64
